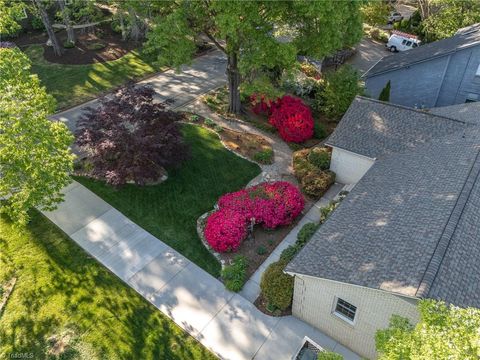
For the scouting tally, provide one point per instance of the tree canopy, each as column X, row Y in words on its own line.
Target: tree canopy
column 35, row 159
column 444, row 332
column 245, row 32
column 450, row 15
column 12, row 11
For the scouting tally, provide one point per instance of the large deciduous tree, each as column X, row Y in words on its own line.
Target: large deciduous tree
column 244, row 31
column 67, row 21
column 444, row 332
column 129, row 138
column 35, row 159
column 447, row 16
column 39, row 6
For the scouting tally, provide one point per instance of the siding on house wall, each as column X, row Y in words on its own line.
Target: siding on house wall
column 348, row 166
column 438, row 82
column 314, row 301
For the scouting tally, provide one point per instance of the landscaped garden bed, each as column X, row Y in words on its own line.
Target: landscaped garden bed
column 170, row 210
column 251, row 146
column 246, row 226
column 65, row 305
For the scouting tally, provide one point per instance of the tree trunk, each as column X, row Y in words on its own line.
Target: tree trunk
column 57, row 49
column 233, row 75
column 68, row 24
column 135, row 31
column 122, row 26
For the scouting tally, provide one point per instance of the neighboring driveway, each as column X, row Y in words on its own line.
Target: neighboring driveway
column 368, row 53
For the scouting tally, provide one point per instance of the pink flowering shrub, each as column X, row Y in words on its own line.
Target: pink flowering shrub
column 270, row 204
column 292, row 118
column 225, row 230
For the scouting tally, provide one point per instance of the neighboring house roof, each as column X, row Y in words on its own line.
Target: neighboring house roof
column 410, row 226
column 374, row 128
column 468, row 112
column 464, row 38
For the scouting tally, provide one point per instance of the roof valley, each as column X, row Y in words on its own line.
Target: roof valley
column 449, row 230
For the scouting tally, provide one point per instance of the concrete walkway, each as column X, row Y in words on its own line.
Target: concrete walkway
column 226, row 323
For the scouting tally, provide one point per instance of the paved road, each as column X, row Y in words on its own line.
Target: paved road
column 226, row 323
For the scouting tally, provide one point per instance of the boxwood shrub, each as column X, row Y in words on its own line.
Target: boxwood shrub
column 276, row 286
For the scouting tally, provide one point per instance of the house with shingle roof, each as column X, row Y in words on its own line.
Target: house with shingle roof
column 409, row 229
column 441, row 73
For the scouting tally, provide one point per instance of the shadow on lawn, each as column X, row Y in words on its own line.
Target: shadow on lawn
column 61, row 287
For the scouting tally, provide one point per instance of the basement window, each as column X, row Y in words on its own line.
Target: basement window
column 345, row 310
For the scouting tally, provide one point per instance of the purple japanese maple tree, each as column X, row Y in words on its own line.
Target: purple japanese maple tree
column 129, row 138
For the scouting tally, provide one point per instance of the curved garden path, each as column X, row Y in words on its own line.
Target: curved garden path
column 226, row 323
column 281, row 169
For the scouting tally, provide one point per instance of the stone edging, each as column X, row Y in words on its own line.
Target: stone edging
column 200, row 229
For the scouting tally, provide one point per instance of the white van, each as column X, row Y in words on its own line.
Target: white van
column 400, row 41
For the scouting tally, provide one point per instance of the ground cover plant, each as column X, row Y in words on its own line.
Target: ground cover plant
column 129, row 138
column 170, row 210
column 65, row 305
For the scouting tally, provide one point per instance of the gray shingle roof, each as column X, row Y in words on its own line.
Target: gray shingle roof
column 374, row 128
column 464, row 38
column 410, row 226
column 469, row 112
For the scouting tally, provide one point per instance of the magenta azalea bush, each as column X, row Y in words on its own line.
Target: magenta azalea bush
column 270, row 204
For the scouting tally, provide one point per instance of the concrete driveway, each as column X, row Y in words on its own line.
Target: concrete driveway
column 368, row 53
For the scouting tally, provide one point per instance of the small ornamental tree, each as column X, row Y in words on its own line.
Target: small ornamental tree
column 292, row 118
column 35, row 159
column 129, row 138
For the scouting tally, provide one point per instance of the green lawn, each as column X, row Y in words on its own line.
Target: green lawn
column 170, row 210
column 73, row 84
column 62, row 292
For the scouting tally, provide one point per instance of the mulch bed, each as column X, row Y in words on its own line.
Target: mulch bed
column 83, row 53
column 262, row 238
column 243, row 143
column 261, row 305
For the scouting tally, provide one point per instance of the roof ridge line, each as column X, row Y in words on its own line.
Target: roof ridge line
column 425, row 112
column 451, row 225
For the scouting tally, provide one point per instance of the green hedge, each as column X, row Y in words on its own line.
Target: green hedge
column 276, row 286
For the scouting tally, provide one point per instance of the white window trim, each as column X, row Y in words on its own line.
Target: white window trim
column 340, row 315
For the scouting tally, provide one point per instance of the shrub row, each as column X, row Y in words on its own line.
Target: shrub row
column 276, row 286
column 270, row 204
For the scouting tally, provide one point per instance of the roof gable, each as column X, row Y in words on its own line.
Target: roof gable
column 464, row 38
column 374, row 128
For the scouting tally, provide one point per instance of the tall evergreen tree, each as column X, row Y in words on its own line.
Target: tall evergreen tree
column 385, row 93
